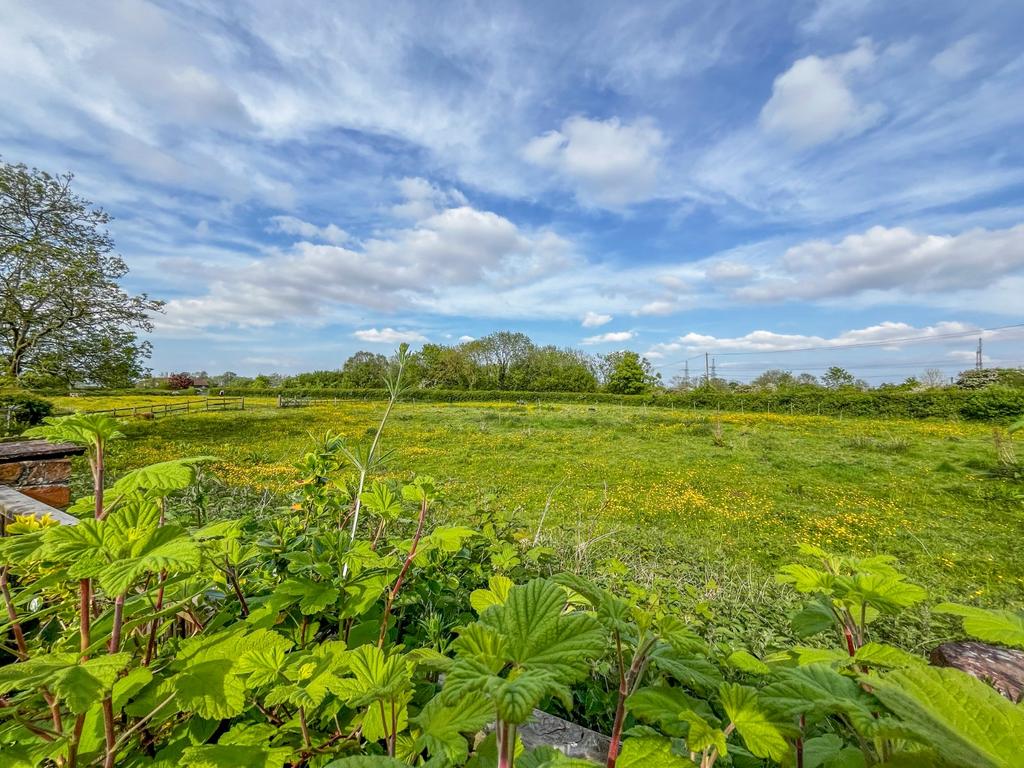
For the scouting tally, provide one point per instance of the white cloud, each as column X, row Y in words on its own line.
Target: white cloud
column 812, row 103
column 611, row 336
column 658, row 307
column 770, row 341
column 724, row 271
column 959, row 59
column 611, row 164
column 595, row 320
column 466, row 339
column 389, row 336
column 290, row 225
column 892, row 260
column 423, row 199
column 414, row 268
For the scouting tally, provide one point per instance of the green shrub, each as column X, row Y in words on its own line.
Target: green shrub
column 19, row 410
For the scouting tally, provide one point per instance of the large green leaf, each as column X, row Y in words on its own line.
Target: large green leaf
column 442, row 726
column 235, row 756
column 815, row 691
column 366, row 761
column 961, row 717
column 762, row 736
column 992, row 626
column 650, row 752
column 161, row 478
column 80, row 684
column 662, row 706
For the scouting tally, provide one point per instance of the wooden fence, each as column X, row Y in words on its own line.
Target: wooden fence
column 301, row 402
column 152, row 411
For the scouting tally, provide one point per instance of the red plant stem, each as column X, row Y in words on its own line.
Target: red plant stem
column 230, row 571
column 620, row 706
column 305, row 728
column 84, row 604
column 12, row 616
column 401, row 576
column 850, row 647
column 800, row 744
column 155, row 624
column 108, row 702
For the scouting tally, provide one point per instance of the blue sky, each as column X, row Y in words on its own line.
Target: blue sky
column 300, row 181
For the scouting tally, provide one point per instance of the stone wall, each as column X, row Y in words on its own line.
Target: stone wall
column 39, row 470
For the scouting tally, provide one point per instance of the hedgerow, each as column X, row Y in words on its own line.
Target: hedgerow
column 351, row 631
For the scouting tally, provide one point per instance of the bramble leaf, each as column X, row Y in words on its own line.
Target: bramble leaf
column 956, row 714
column 650, row 752
column 760, row 734
column 495, row 594
column 992, row 626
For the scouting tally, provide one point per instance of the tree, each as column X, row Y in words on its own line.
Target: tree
column 365, row 370
column 441, row 367
column 807, row 380
column 774, row 379
column 628, row 373
column 836, row 378
column 499, row 351
column 932, row 378
column 62, row 311
column 181, row 381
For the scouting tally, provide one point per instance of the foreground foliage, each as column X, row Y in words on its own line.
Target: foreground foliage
column 351, row 631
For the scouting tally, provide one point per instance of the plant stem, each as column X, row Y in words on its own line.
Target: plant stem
column 12, row 616
column 155, row 624
column 108, row 702
column 305, row 728
column 401, row 576
column 233, row 579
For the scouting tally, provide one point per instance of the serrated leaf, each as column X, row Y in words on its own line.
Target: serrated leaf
column 366, row 761
column 885, row 657
column 662, row 705
column 806, row 579
column 815, row 691
column 959, row 716
column 762, row 736
column 696, row 672
column 745, row 661
column 211, row 689
column 442, row 726
column 992, row 626
column 649, row 752
column 161, row 478
column 498, row 587
column 814, row 618
column 234, row 756
column 312, row 597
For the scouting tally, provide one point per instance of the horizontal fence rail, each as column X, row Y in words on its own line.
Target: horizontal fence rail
column 204, row 405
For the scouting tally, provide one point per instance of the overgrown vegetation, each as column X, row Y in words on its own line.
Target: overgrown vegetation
column 356, row 630
column 19, row 410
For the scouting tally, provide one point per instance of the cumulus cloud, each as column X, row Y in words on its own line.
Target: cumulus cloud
column 389, row 336
column 610, row 164
column 414, row 267
column 891, row 259
column 465, row 339
column 812, row 103
column 290, row 225
column 595, row 320
column 611, row 336
column 657, row 307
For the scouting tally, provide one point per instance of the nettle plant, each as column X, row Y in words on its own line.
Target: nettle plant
column 351, row 631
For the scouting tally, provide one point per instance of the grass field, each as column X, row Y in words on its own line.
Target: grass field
column 683, row 494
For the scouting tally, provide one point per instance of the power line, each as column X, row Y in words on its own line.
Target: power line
column 865, row 344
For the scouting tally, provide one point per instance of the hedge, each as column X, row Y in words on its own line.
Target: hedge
column 989, row 403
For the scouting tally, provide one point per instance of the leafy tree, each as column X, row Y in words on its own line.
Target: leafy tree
column 62, row 311
column 807, row 380
column 498, row 352
column 181, row 381
column 549, row 369
column 365, row 370
column 774, row 379
column 978, row 378
column 628, row 373
column 933, row 377
column 442, row 367
column 836, row 378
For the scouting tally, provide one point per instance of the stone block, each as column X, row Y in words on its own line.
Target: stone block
column 9, row 473
column 58, row 496
column 52, row 472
